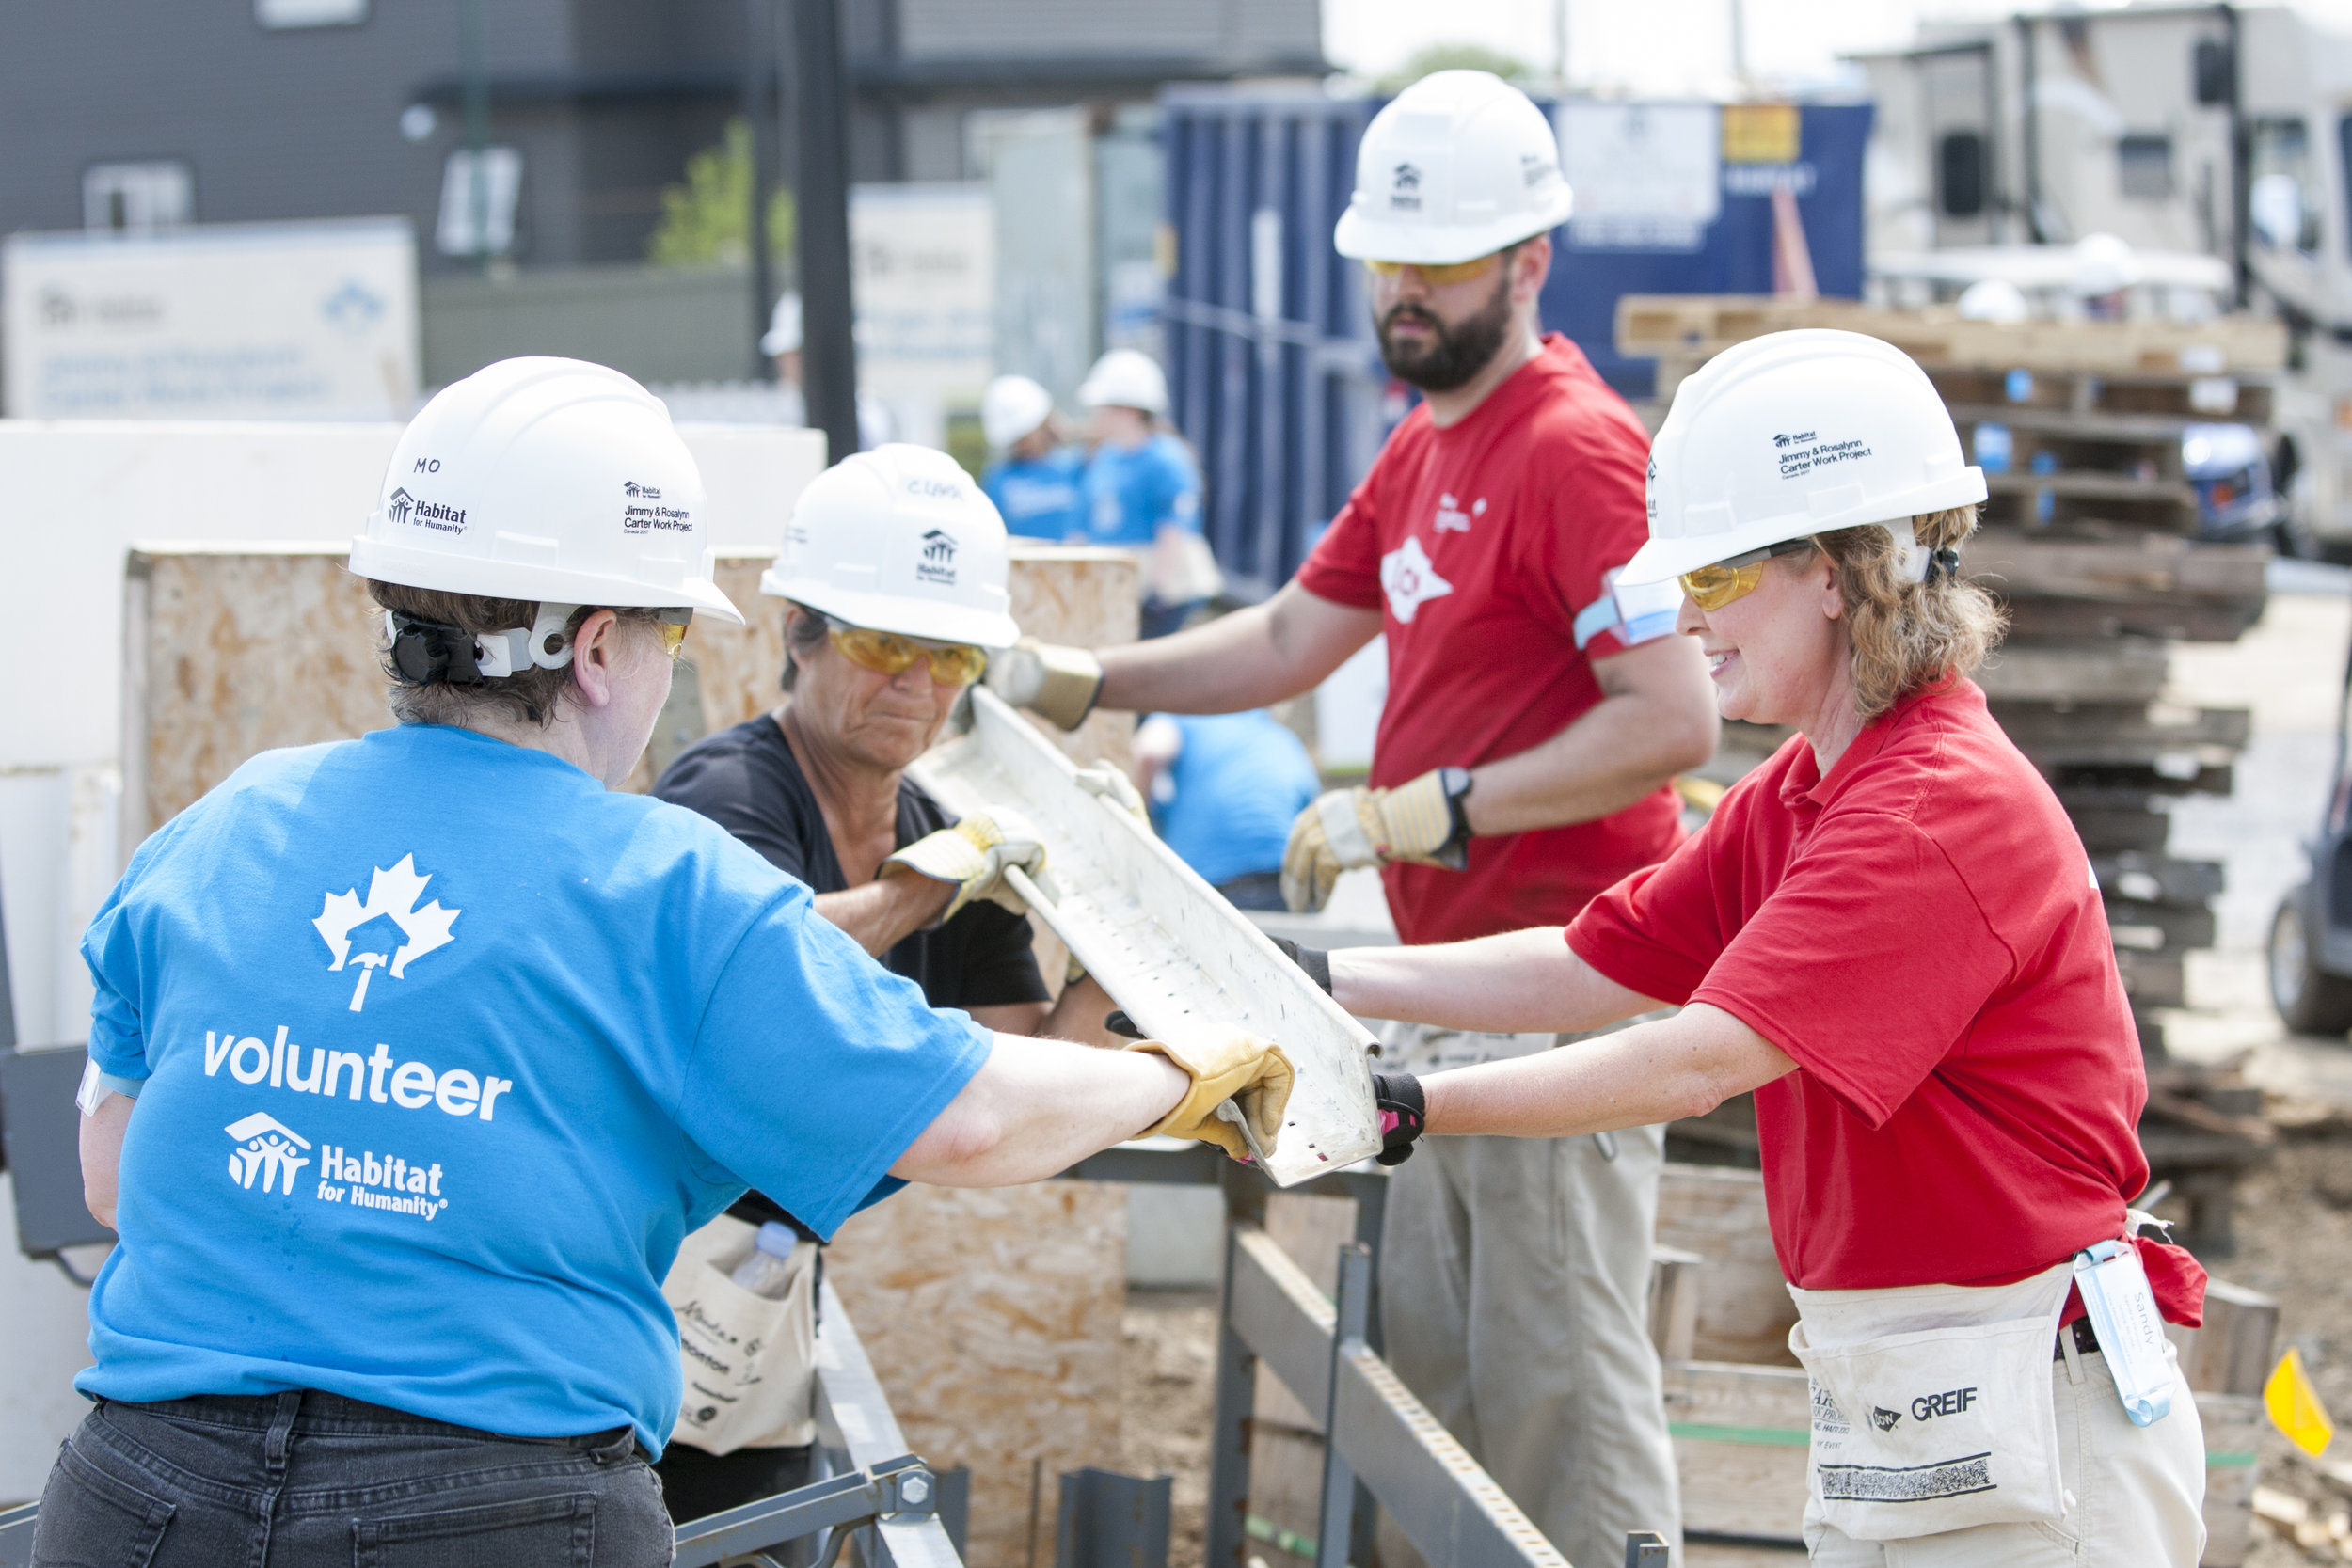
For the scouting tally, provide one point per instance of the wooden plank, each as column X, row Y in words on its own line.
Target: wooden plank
column 2079, row 424
column 2084, row 736
column 1655, row 325
column 2073, row 619
column 2158, row 565
column 1674, row 1301
column 2081, row 484
column 2157, row 878
column 2233, row 1430
column 2230, row 1353
column 2122, row 670
column 1743, row 1311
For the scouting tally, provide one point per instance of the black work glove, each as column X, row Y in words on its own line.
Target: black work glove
column 1403, row 1114
column 1314, row 960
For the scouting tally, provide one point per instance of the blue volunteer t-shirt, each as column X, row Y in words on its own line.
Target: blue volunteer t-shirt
column 1239, row 782
column 1130, row 495
column 1039, row 497
column 446, row 1046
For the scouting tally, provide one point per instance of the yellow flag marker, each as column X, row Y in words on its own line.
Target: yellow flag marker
column 2295, row 1407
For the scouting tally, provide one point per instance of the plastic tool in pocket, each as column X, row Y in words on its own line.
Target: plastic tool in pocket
column 2131, row 1332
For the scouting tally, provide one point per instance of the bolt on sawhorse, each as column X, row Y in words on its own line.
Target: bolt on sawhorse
column 1381, row 1445
column 873, row 1490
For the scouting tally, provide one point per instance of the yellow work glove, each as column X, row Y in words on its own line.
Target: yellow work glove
column 1045, row 677
column 1423, row 822
column 972, row 855
column 1242, row 1068
column 1107, row 782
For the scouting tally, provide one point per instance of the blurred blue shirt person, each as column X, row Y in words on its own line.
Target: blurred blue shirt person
column 1037, row 480
column 1224, row 789
column 1142, row 488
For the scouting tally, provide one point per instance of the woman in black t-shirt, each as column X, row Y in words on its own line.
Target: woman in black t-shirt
column 818, row 786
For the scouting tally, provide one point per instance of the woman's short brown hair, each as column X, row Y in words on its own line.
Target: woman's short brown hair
column 1909, row 635
column 528, row 696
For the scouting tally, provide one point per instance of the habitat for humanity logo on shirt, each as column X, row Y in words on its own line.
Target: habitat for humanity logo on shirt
column 386, row 930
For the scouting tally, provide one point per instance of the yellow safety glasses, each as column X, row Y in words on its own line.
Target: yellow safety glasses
column 674, row 632
column 888, row 654
column 1437, row 277
column 1713, row 587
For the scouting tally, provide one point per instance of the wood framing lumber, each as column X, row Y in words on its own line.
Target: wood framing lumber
column 2159, row 566
column 2118, row 670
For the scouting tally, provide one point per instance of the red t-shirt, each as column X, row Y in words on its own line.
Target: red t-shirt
column 1921, row 931
column 1481, row 544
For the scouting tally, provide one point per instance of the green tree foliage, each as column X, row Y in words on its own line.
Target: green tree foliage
column 704, row 221
column 1459, row 56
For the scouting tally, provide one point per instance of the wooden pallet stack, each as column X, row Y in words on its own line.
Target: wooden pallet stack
column 2091, row 539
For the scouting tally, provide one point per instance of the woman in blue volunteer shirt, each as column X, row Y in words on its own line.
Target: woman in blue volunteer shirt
column 413, row 1058
column 1141, row 490
column 1035, row 483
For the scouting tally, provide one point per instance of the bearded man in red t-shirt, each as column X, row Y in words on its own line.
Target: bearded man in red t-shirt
column 1535, row 718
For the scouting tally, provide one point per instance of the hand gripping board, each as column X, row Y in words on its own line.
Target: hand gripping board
column 1182, row 961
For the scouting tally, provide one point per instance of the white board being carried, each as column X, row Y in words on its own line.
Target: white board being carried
column 1174, row 954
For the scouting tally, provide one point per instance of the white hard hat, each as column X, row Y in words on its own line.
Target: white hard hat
column 1458, row 165
column 1125, row 378
column 1011, row 407
column 2100, row 264
column 550, row 480
column 1796, row 434
column 899, row 539
column 784, row 327
column 1993, row 299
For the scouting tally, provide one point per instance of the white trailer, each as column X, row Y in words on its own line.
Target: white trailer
column 2218, row 130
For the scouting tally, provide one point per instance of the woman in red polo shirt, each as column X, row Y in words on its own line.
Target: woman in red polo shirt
column 1891, row 933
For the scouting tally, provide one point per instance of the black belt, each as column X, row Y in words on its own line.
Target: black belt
column 2086, row 1341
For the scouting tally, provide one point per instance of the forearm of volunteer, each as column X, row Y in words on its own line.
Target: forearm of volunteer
column 1656, row 719
column 887, row 911
column 1683, row 1066
column 1519, row 982
column 1246, row 660
column 1036, row 1108
column 102, row 1155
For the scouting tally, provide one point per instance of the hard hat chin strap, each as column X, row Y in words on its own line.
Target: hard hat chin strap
column 426, row 652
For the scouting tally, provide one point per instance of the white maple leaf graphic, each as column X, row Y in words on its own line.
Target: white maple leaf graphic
column 393, row 894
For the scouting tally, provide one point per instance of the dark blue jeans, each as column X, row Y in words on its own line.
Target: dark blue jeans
column 305, row 1480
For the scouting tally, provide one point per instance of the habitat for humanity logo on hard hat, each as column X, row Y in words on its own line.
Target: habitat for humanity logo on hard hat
column 644, row 513
column 938, row 563
column 1404, row 188
column 387, row 928
column 402, row 507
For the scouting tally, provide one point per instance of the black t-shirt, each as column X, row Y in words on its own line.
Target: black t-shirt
column 747, row 780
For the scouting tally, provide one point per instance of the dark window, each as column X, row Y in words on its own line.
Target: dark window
column 2210, row 67
column 1960, row 174
column 2144, row 166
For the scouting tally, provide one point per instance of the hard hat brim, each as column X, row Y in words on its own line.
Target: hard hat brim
column 891, row 613
column 534, row 582
column 1361, row 238
column 1664, row 560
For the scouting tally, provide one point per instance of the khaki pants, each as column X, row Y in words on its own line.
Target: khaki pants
column 1515, row 1297
column 2137, row 1493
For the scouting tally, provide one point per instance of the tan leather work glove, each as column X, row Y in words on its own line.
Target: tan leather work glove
column 1422, row 822
column 1251, row 1071
column 972, row 855
column 1059, row 682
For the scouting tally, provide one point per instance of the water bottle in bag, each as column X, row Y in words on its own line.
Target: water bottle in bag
column 765, row 1271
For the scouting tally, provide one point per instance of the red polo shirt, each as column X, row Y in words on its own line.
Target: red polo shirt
column 1483, row 546
column 1921, row 931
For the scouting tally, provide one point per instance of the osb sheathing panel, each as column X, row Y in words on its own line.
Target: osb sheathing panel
column 993, row 1318
column 240, row 651
column 245, row 652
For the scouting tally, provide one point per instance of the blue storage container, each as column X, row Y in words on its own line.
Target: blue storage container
column 1273, row 370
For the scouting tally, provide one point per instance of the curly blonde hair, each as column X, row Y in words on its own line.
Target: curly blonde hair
column 1909, row 635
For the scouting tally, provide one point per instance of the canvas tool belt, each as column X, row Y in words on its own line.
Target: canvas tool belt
column 750, row 1360
column 1933, row 1408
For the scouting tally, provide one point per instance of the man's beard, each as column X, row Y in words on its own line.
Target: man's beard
column 1459, row 353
